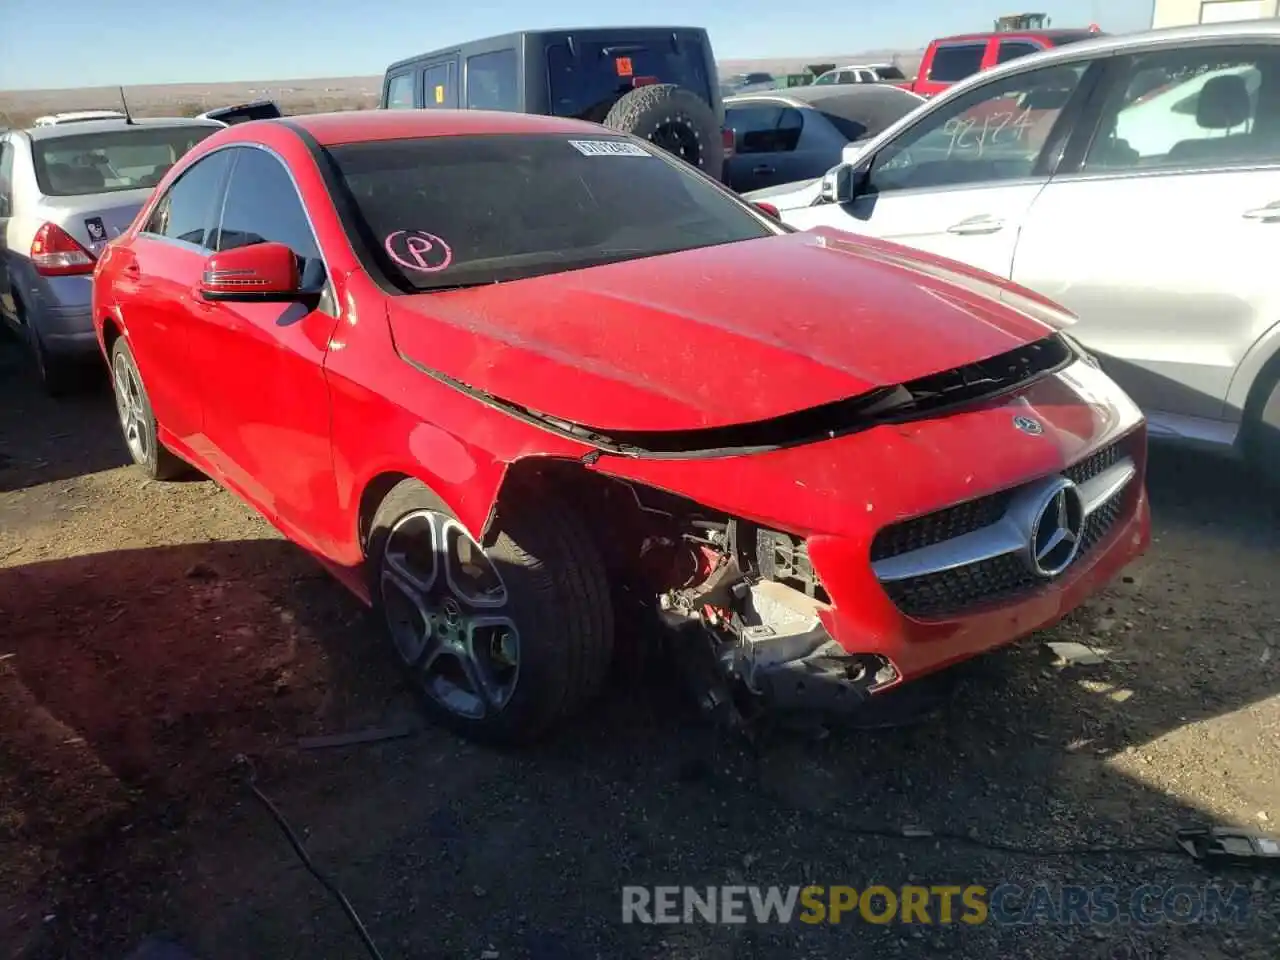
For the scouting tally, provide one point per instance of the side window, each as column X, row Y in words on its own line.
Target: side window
column 439, row 86
column 400, row 92
column 6, row 178
column 1013, row 49
column 847, row 76
column 993, row 133
column 1190, row 108
column 491, row 81
column 955, row 61
column 186, row 211
column 263, row 205
column 764, row 129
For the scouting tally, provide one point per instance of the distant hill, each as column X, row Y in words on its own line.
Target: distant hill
column 19, row 107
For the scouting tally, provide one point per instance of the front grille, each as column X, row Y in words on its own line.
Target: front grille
column 1000, row 578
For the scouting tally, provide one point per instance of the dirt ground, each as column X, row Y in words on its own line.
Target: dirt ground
column 150, row 633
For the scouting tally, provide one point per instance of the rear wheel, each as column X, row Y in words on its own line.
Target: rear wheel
column 57, row 375
column 505, row 641
column 137, row 422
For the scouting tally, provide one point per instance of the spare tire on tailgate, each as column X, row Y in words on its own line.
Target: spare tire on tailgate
column 675, row 119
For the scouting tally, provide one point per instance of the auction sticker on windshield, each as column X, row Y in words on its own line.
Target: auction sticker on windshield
column 608, row 148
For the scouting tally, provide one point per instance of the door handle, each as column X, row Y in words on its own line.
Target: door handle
column 1268, row 214
column 131, row 270
column 762, row 170
column 976, row 225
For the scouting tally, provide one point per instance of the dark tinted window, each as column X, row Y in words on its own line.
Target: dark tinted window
column 956, row 61
column 1013, row 49
column 763, row 128
column 850, row 129
column 440, row 86
column 491, row 81
column 890, row 73
column 110, row 161
column 456, row 211
column 263, row 205
column 400, row 92
column 587, row 85
column 186, row 210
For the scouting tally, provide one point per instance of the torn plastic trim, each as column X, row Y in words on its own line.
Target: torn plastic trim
column 918, row 399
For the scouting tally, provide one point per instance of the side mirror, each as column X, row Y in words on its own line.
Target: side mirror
column 841, row 183
column 258, row 273
column 769, row 210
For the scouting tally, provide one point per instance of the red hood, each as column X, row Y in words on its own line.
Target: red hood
column 718, row 336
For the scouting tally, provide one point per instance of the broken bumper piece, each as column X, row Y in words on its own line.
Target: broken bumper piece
column 787, row 658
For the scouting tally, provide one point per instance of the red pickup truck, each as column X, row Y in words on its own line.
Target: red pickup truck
column 951, row 59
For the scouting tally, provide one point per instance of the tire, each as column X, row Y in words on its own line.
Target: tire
column 57, row 375
column 663, row 112
column 156, row 460
column 556, row 601
column 1260, row 439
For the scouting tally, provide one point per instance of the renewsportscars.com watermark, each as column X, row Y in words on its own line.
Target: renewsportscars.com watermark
column 1006, row 904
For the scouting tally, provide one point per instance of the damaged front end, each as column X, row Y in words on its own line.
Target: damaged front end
column 755, row 621
column 741, row 604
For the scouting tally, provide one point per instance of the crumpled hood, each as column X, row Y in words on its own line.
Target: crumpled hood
column 724, row 335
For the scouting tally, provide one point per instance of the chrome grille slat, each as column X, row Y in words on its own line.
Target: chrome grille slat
column 903, row 548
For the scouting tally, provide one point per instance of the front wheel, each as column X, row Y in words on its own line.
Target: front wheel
column 505, row 641
column 137, row 422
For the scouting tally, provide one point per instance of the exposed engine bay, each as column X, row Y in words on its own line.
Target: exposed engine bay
column 741, row 603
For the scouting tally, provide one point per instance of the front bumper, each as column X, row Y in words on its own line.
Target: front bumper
column 844, row 654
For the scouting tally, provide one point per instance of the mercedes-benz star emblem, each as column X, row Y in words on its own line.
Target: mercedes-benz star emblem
column 1028, row 425
column 1057, row 530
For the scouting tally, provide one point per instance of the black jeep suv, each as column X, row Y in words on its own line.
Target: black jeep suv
column 658, row 83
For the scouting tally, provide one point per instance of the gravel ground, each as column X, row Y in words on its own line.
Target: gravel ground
column 149, row 633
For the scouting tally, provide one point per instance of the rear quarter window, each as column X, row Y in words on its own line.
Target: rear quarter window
column 492, row 83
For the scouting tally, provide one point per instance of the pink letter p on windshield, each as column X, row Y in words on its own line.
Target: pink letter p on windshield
column 418, row 250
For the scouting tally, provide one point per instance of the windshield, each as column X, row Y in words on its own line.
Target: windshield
column 113, row 160
column 458, row 211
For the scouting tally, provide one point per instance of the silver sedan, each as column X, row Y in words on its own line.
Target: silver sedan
column 66, row 190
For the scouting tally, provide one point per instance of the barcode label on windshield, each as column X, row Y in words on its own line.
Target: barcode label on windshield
column 608, row 148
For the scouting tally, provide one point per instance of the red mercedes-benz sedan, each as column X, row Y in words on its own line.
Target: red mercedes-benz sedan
column 506, row 375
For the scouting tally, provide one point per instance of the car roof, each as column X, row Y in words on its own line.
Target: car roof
column 1052, row 34
column 836, row 98
column 1104, row 44
column 81, row 127
column 514, row 36
column 355, row 126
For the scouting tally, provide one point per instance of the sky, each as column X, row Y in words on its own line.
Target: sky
column 89, row 43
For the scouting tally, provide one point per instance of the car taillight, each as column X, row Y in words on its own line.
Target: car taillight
column 726, row 138
column 55, row 253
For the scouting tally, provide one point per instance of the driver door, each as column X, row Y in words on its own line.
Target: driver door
column 960, row 181
column 260, row 366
